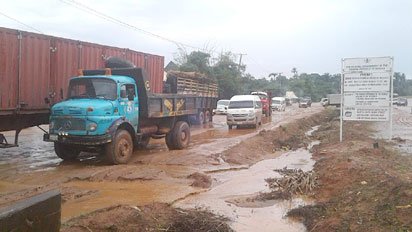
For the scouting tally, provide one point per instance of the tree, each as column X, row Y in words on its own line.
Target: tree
column 196, row 61
column 295, row 72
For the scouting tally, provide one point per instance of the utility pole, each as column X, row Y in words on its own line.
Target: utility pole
column 240, row 59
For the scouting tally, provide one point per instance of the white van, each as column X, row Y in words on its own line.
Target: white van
column 279, row 103
column 244, row 110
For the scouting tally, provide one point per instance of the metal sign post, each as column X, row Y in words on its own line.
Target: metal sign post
column 341, row 104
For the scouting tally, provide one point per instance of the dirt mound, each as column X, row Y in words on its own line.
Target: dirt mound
column 361, row 188
column 200, row 180
column 154, row 217
column 286, row 137
column 121, row 173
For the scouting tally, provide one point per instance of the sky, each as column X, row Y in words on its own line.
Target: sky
column 275, row 36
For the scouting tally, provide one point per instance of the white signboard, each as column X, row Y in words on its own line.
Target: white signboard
column 359, row 99
column 367, row 64
column 366, row 90
column 366, row 82
column 366, row 114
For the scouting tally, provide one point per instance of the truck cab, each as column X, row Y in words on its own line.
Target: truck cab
column 87, row 118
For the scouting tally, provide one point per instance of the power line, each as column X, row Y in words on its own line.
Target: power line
column 26, row 25
column 259, row 64
column 109, row 18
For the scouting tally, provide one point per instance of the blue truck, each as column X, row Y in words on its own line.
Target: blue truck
column 113, row 112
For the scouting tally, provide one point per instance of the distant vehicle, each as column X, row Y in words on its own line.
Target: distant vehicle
column 221, row 107
column 324, row 102
column 334, row 99
column 244, row 110
column 288, row 101
column 305, row 102
column 402, row 101
column 279, row 103
column 395, row 99
column 266, row 103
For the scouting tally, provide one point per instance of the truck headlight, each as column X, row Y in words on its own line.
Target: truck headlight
column 251, row 114
column 92, row 126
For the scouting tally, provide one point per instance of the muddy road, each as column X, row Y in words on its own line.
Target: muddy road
column 153, row 175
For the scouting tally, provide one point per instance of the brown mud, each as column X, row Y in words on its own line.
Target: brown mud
column 361, row 188
column 159, row 175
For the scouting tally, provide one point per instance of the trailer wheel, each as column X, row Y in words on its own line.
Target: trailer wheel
column 181, row 135
column 230, row 127
column 120, row 149
column 65, row 151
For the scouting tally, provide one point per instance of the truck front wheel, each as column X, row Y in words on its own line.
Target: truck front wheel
column 120, row 149
column 65, row 151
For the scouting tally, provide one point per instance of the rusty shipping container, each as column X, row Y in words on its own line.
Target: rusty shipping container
column 35, row 70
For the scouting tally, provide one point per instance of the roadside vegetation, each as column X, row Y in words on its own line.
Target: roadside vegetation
column 153, row 217
column 233, row 78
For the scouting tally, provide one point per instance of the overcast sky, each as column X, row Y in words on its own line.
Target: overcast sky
column 276, row 35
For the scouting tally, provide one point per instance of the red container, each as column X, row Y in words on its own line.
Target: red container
column 9, row 50
column 46, row 64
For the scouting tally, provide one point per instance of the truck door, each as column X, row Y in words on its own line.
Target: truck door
column 129, row 104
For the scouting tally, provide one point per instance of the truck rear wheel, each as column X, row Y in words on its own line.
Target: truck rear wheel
column 120, row 149
column 65, row 151
column 200, row 118
column 169, row 141
column 179, row 138
column 208, row 116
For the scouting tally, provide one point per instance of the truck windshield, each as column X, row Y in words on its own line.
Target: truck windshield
column 92, row 88
column 240, row 104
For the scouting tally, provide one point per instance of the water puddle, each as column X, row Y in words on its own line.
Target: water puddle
column 235, row 184
column 132, row 193
column 313, row 129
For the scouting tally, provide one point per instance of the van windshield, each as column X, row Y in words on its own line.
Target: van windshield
column 223, row 102
column 276, row 102
column 240, row 104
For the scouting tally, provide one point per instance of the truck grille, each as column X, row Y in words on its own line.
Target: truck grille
column 69, row 124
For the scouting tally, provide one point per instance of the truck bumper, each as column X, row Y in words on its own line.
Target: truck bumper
column 79, row 140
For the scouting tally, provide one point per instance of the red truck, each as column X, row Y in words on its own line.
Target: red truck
column 266, row 103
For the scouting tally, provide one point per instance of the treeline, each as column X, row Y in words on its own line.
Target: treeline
column 233, row 78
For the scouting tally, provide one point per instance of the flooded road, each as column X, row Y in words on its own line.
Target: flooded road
column 232, row 186
column 401, row 129
column 153, row 175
